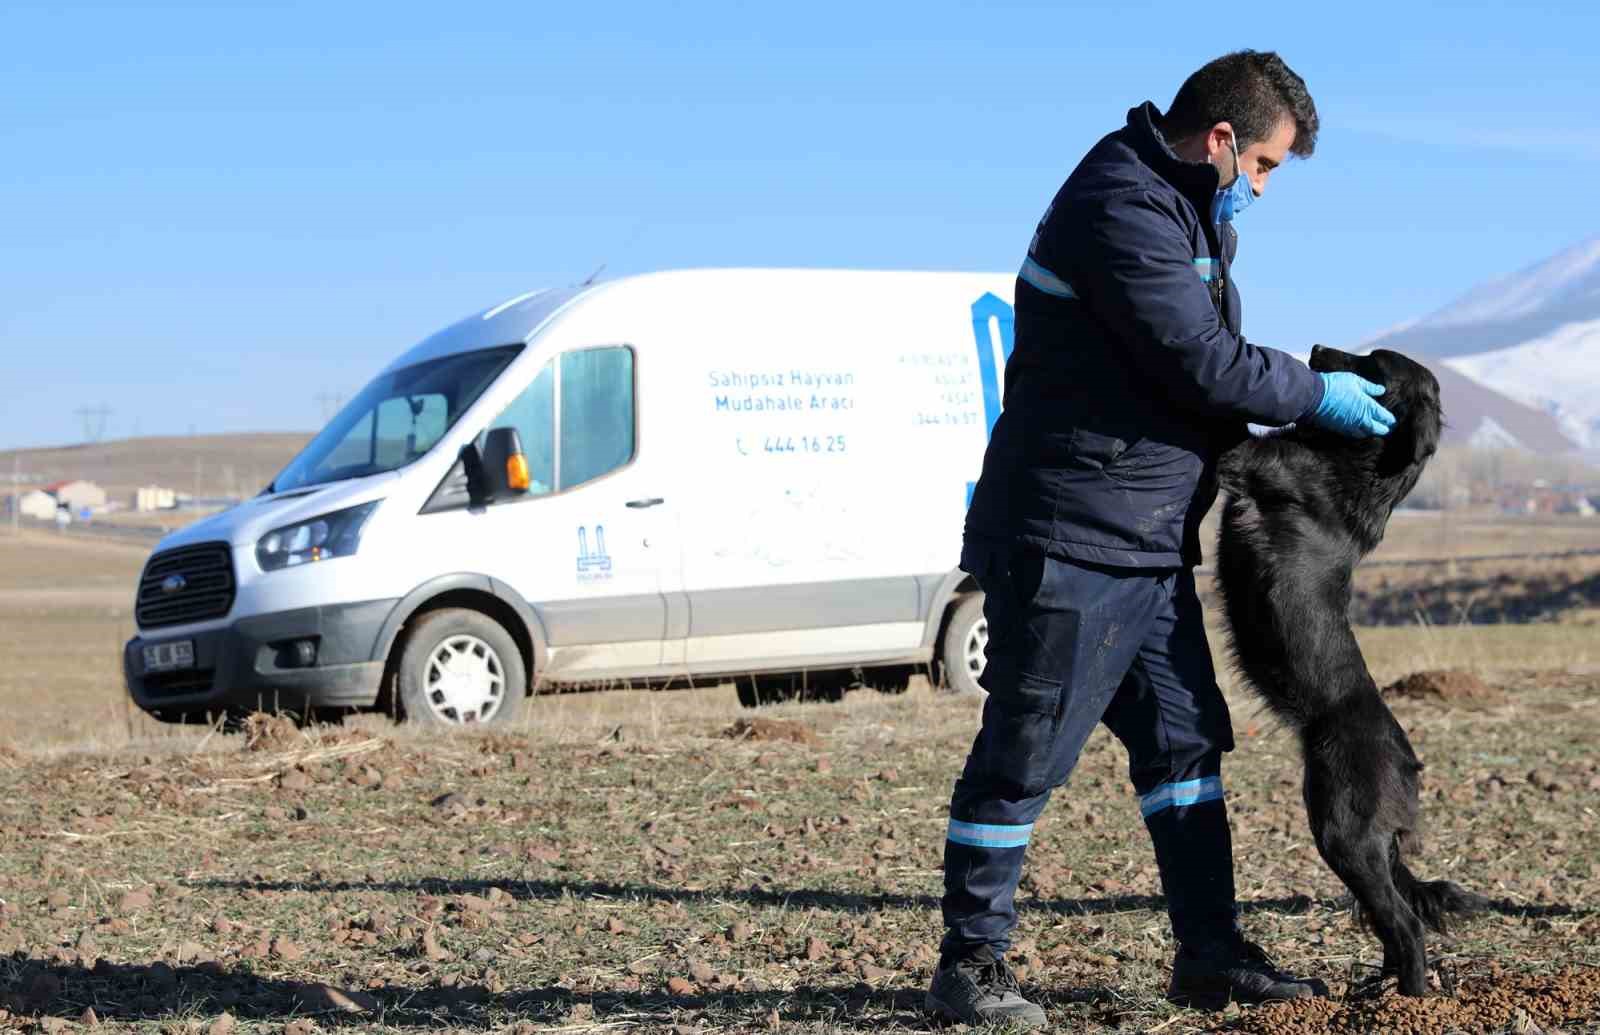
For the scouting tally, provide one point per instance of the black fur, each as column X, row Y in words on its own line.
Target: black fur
column 1302, row 508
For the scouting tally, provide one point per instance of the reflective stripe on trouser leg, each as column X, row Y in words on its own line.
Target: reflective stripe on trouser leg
column 989, row 835
column 1180, row 793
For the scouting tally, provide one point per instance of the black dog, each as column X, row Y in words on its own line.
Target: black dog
column 1302, row 508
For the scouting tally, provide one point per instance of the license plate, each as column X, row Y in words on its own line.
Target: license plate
column 165, row 657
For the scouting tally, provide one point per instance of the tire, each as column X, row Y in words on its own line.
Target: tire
column 487, row 684
column 961, row 650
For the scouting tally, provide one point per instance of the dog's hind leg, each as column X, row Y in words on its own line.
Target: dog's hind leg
column 1365, row 871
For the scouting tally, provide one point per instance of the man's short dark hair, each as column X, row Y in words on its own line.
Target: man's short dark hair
column 1254, row 91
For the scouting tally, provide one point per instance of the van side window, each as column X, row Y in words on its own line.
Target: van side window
column 533, row 414
column 597, row 413
column 595, row 387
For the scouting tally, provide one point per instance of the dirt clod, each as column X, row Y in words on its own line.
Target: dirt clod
column 786, row 730
column 429, row 946
column 223, row 1025
column 263, row 732
column 286, row 950
column 325, row 998
column 1447, row 688
column 294, row 780
column 133, row 901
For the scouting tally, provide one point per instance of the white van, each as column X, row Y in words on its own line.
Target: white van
column 677, row 477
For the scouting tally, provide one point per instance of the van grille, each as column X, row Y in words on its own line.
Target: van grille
column 206, row 590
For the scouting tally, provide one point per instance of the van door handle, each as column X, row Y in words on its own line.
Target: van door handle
column 649, row 501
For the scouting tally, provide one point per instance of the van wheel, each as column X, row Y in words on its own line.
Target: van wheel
column 961, row 652
column 460, row 667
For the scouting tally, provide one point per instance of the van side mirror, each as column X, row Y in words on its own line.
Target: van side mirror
column 498, row 471
column 504, row 466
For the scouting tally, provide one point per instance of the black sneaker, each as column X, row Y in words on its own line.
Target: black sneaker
column 980, row 989
column 1237, row 971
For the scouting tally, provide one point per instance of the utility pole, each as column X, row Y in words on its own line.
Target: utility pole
column 94, row 421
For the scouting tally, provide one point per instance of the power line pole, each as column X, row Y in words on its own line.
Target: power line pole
column 94, row 421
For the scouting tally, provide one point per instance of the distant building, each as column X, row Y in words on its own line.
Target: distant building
column 78, row 495
column 37, row 504
column 154, row 497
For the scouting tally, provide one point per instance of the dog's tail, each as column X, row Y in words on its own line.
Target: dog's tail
column 1434, row 900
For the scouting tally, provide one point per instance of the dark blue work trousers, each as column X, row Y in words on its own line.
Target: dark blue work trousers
column 1072, row 645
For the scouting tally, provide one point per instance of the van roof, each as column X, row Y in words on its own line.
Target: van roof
column 517, row 319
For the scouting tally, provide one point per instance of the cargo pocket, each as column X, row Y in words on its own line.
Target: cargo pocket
column 1024, row 711
column 1020, row 726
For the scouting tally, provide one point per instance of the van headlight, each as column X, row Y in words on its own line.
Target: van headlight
column 319, row 539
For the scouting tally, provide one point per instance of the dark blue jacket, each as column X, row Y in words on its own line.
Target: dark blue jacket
column 1129, row 375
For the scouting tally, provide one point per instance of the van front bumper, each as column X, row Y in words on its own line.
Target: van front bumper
column 264, row 663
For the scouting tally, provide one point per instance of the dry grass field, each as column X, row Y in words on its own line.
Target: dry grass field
column 635, row 861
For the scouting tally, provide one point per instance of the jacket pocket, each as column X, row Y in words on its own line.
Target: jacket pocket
column 1097, row 449
column 1157, row 463
column 1074, row 447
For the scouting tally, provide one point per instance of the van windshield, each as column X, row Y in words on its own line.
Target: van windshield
column 395, row 419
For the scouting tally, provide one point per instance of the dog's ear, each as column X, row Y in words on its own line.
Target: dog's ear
column 1414, row 439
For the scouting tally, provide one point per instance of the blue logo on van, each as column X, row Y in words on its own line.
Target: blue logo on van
column 593, row 563
column 993, row 331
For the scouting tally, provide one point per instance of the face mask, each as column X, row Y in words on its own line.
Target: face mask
column 1236, row 196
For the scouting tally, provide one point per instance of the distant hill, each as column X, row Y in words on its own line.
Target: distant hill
column 1532, row 337
column 1479, row 416
column 201, row 465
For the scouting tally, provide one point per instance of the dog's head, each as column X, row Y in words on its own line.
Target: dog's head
column 1411, row 393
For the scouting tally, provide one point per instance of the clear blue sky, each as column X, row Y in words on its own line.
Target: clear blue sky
column 211, row 213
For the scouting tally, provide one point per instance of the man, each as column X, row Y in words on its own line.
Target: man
column 1129, row 376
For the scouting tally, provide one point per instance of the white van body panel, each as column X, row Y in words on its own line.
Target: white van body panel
column 805, row 445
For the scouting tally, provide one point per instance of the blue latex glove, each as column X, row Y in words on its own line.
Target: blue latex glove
column 1348, row 406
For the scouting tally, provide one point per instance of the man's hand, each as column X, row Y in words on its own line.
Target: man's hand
column 1348, row 406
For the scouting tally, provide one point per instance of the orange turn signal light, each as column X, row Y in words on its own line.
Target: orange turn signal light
column 517, row 472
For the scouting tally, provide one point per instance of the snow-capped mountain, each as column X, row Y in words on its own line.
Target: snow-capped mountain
column 1532, row 337
column 1558, row 373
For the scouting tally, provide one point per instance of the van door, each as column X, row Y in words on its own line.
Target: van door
column 592, row 545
